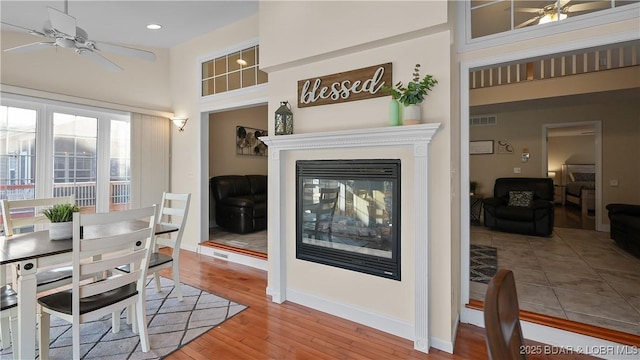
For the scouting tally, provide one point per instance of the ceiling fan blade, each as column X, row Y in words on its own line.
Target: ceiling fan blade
column 30, row 31
column 62, row 22
column 126, row 51
column 527, row 10
column 24, row 49
column 588, row 6
column 101, row 60
column 521, row 25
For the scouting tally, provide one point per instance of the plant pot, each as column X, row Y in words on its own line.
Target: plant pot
column 411, row 114
column 61, row 230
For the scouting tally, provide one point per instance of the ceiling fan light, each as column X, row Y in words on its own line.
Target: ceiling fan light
column 551, row 17
column 154, row 26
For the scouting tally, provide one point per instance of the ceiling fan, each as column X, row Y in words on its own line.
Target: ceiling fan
column 62, row 30
column 558, row 10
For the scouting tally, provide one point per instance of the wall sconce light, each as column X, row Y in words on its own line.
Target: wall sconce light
column 179, row 123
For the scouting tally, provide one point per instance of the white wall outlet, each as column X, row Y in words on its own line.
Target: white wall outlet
column 517, row 170
column 613, row 182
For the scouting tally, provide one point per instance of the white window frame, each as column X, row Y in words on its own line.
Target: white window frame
column 602, row 17
column 223, row 52
column 44, row 141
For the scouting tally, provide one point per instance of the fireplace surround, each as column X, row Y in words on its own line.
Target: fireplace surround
column 284, row 283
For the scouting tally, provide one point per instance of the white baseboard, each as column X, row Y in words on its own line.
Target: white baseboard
column 380, row 322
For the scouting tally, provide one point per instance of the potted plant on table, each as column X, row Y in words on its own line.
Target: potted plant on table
column 412, row 95
column 61, row 218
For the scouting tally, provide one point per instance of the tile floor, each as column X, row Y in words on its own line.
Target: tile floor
column 256, row 241
column 577, row 274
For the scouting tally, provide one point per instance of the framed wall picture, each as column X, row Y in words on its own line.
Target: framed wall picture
column 481, row 147
column 247, row 142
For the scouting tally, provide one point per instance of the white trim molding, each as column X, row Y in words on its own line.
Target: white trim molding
column 415, row 137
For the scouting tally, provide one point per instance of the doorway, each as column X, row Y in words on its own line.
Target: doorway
column 570, row 147
column 230, row 154
column 542, row 170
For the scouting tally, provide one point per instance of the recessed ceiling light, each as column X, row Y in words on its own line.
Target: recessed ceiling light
column 154, row 26
column 242, row 62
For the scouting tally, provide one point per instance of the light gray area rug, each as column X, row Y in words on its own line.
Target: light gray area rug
column 172, row 324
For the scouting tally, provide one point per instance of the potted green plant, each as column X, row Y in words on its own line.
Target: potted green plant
column 61, row 218
column 412, row 94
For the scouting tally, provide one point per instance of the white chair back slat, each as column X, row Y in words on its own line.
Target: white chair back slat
column 92, row 246
column 34, row 207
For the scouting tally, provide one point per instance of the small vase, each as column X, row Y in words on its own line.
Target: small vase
column 411, row 114
column 394, row 113
column 61, row 230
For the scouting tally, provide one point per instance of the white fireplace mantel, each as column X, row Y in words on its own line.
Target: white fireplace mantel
column 417, row 137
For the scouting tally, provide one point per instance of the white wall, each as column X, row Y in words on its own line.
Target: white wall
column 142, row 84
column 325, row 45
column 190, row 148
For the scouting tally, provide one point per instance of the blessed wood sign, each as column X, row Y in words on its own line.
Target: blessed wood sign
column 365, row 83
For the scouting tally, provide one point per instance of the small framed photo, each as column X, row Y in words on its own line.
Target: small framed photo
column 481, row 147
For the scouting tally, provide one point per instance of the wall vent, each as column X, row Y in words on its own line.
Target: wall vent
column 483, row 120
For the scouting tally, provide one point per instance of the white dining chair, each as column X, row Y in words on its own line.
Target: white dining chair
column 9, row 315
column 96, row 290
column 173, row 212
column 21, row 214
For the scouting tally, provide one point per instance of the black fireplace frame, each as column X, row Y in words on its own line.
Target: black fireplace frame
column 364, row 169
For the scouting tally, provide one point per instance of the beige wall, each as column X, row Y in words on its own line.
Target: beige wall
column 190, row 148
column 142, row 84
column 524, row 129
column 423, row 44
column 223, row 159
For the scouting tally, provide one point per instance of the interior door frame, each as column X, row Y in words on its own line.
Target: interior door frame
column 536, row 332
column 597, row 127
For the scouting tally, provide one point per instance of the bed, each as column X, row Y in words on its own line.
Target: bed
column 579, row 181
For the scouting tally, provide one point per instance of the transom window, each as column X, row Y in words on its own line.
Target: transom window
column 233, row 71
column 497, row 16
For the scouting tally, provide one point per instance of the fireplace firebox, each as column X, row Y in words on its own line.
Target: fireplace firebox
column 348, row 214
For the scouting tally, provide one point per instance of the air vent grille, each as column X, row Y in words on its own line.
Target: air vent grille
column 483, row 120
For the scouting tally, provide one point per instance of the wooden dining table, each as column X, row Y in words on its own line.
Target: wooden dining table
column 33, row 250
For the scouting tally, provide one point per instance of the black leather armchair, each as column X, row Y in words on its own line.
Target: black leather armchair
column 507, row 211
column 241, row 202
column 625, row 226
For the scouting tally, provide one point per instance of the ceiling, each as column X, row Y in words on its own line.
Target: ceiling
column 124, row 22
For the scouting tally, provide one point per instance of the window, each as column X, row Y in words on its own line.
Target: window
column 237, row 70
column 485, row 24
column 80, row 151
column 493, row 17
column 17, row 152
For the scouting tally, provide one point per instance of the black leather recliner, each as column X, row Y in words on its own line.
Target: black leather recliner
column 625, row 226
column 533, row 217
column 241, row 202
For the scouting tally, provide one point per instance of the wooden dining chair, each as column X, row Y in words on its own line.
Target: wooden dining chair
column 319, row 222
column 9, row 311
column 502, row 318
column 173, row 212
column 25, row 216
column 96, row 290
